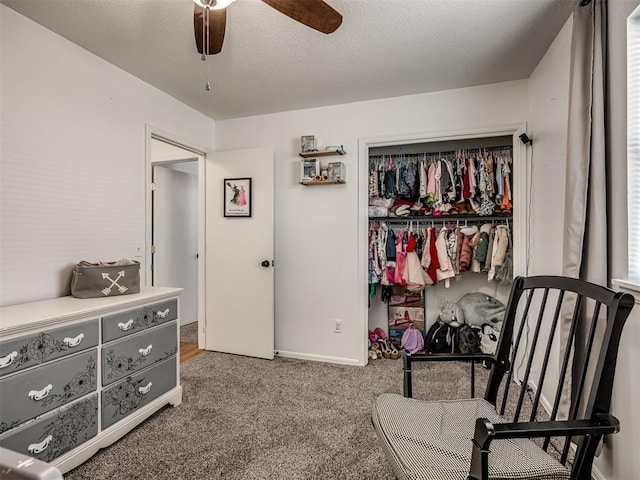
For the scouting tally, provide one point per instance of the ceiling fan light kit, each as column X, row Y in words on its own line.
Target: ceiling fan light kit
column 213, row 4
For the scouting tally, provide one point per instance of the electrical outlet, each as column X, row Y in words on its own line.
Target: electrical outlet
column 337, row 325
column 138, row 249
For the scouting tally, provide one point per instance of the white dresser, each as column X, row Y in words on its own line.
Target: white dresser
column 77, row 374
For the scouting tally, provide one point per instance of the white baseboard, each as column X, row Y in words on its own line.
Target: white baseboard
column 318, row 358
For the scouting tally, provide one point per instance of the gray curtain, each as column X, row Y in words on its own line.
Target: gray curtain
column 585, row 249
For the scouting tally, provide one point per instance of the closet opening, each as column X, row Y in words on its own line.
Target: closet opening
column 401, row 214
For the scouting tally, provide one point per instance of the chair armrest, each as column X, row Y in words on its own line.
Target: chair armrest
column 486, row 432
column 603, row 424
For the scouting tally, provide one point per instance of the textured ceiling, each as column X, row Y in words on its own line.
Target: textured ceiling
column 270, row 63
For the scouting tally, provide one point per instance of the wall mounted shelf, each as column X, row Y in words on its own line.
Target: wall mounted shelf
column 322, row 182
column 322, row 153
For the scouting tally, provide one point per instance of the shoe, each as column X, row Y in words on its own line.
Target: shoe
column 380, row 333
column 375, row 348
column 384, row 348
column 393, row 351
column 389, row 350
column 373, row 338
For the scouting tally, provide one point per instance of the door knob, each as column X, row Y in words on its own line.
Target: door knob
column 265, row 263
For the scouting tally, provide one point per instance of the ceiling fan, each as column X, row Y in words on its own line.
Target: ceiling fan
column 209, row 28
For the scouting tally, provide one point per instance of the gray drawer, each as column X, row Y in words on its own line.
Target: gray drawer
column 26, row 395
column 126, row 396
column 128, row 355
column 56, row 433
column 126, row 323
column 20, row 353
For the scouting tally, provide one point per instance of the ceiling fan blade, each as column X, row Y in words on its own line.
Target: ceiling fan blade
column 217, row 25
column 312, row 13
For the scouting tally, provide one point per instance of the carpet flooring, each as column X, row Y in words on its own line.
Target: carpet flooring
column 246, row 418
column 189, row 332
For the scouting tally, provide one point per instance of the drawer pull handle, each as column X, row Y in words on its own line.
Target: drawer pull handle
column 146, row 389
column 40, row 394
column 8, row 359
column 36, row 448
column 125, row 326
column 73, row 342
column 163, row 314
column 145, row 351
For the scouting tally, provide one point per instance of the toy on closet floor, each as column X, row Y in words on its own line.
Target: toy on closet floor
column 470, row 325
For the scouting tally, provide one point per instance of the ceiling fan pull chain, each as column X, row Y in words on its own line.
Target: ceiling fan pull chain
column 206, row 26
column 203, row 57
column 208, row 9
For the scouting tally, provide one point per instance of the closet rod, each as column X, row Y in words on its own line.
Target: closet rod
column 443, row 218
column 447, row 152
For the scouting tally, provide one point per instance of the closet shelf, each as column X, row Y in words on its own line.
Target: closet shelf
column 444, row 218
column 322, row 153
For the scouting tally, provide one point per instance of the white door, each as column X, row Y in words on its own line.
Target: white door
column 239, row 256
column 175, row 233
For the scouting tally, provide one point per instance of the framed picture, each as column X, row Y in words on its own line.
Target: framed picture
column 310, row 168
column 237, row 197
column 307, row 143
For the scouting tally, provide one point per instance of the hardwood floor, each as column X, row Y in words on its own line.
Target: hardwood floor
column 188, row 351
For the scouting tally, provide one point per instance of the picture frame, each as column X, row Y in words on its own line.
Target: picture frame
column 310, row 168
column 237, row 197
column 307, row 143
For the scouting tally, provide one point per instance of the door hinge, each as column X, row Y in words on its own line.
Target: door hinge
column 153, row 249
column 153, row 186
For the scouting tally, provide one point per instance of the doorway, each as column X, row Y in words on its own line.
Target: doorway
column 175, row 229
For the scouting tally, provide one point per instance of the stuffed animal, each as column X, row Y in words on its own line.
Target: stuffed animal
column 478, row 308
column 451, row 314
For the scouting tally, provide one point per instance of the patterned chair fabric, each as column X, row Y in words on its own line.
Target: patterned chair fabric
column 432, row 441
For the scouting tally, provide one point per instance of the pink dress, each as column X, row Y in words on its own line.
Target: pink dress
column 400, row 260
column 242, row 200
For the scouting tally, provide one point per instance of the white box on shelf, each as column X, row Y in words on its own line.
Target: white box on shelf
column 336, row 171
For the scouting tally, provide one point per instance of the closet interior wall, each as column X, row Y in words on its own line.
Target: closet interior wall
column 436, row 295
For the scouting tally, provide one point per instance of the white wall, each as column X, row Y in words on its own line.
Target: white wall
column 73, row 158
column 548, row 111
column 317, row 227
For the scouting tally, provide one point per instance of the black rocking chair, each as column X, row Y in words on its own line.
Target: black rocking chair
column 479, row 439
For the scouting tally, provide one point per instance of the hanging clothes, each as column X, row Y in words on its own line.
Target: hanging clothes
column 414, row 275
column 445, row 272
column 398, row 277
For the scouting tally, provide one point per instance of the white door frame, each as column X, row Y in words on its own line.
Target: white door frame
column 151, row 133
column 521, row 195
